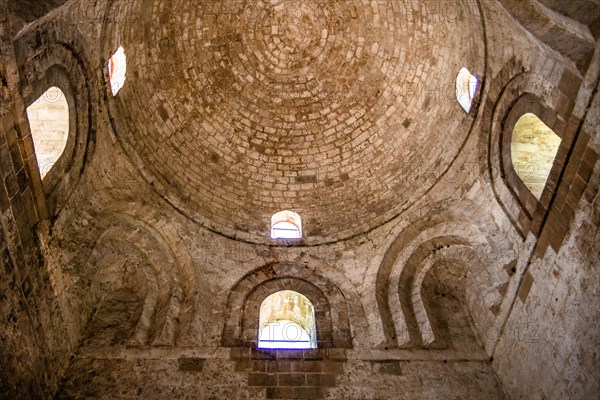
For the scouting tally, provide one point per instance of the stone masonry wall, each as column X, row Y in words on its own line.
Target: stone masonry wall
column 449, row 299
column 262, row 375
column 544, row 346
column 33, row 352
column 556, row 314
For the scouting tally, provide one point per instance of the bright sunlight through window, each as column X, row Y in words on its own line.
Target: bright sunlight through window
column 287, row 321
column 286, row 225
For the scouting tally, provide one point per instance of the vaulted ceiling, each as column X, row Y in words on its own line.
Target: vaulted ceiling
column 343, row 111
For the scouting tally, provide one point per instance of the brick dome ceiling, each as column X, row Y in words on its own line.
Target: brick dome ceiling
column 343, row 111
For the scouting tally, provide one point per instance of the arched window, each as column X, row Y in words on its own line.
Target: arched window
column 466, row 88
column 533, row 149
column 286, row 225
column 287, row 321
column 49, row 123
column 117, row 68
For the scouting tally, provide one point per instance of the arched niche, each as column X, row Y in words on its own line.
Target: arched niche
column 142, row 261
column 436, row 241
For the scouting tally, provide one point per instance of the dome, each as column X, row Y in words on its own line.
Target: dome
column 341, row 111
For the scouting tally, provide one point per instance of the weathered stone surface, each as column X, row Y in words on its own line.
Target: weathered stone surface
column 137, row 267
column 155, row 379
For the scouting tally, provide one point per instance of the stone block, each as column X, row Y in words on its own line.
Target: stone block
column 525, row 287
column 324, row 380
column 262, row 379
column 191, row 364
column 293, row 379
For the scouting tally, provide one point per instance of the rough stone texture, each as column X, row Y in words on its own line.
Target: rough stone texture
column 218, row 378
column 23, row 12
column 33, row 350
column 559, row 299
column 292, row 105
column 145, row 255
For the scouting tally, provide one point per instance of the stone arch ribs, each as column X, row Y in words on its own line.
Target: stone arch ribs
column 515, row 93
column 422, row 331
column 62, row 66
column 415, row 252
column 134, row 241
column 569, row 37
column 246, row 296
column 164, row 289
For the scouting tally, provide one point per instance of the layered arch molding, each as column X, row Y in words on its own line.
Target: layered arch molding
column 142, row 285
column 60, row 65
column 569, row 35
column 425, row 284
column 332, row 317
column 526, row 93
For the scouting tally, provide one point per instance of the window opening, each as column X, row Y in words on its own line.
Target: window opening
column 117, row 68
column 49, row 123
column 466, row 88
column 533, row 149
column 287, row 321
column 286, row 225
